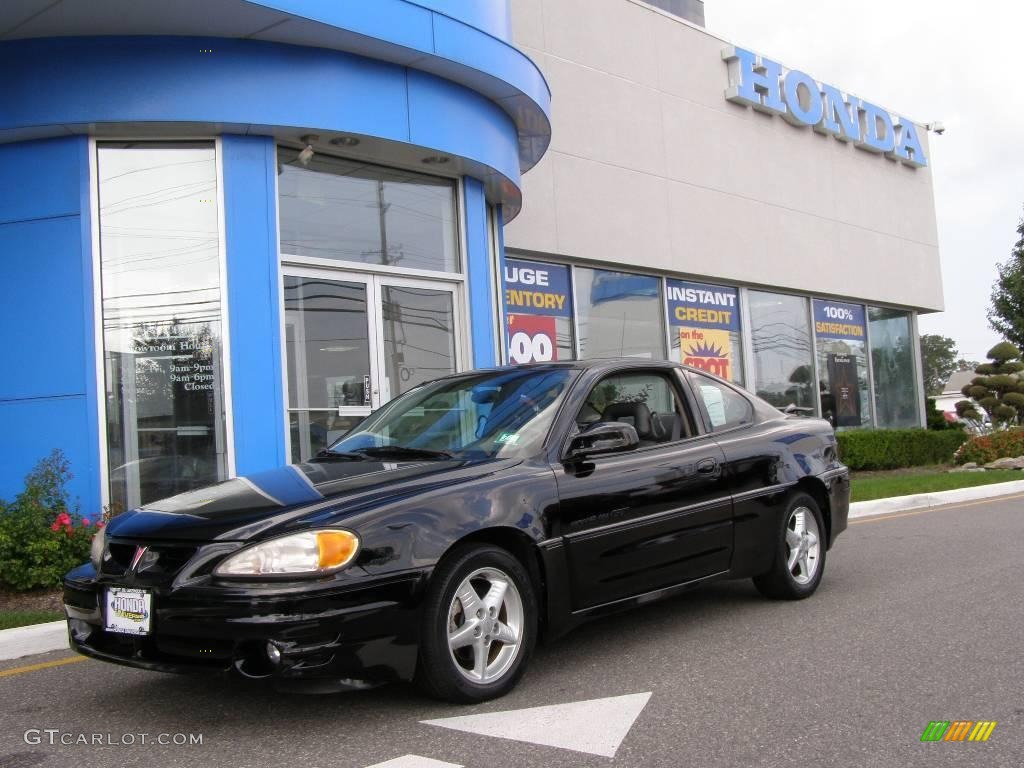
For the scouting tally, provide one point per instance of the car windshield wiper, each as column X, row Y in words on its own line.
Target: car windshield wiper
column 404, row 451
column 328, row 454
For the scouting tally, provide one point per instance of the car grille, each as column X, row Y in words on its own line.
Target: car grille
column 159, row 561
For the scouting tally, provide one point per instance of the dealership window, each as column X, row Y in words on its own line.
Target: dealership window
column 840, row 336
column 619, row 314
column 538, row 312
column 704, row 327
column 161, row 305
column 338, row 209
column 781, row 344
column 892, row 362
column 359, row 328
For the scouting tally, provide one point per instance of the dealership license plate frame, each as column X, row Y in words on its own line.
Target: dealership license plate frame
column 125, row 624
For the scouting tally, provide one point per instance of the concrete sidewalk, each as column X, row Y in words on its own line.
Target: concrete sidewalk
column 33, row 639
column 936, row 499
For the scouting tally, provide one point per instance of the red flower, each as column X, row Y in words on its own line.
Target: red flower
column 85, row 522
column 55, row 527
column 100, row 524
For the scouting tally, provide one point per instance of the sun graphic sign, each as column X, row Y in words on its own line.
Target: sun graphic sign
column 707, row 349
column 706, row 320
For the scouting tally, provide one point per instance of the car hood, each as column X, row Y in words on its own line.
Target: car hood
column 292, row 496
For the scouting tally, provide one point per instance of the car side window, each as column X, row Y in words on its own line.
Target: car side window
column 726, row 407
column 647, row 401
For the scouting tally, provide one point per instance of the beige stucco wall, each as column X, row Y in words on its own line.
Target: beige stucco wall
column 650, row 166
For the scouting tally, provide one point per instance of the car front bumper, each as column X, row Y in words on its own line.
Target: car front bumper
column 362, row 633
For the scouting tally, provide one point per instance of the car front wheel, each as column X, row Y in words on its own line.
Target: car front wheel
column 799, row 553
column 479, row 625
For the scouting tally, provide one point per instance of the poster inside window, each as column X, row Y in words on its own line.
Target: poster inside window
column 704, row 327
column 538, row 312
column 841, row 343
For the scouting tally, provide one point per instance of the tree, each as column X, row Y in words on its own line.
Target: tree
column 999, row 388
column 1006, row 313
column 963, row 364
column 938, row 359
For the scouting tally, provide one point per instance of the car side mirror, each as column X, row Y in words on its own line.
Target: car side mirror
column 603, row 437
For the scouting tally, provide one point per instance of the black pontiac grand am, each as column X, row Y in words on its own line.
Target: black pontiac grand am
column 447, row 532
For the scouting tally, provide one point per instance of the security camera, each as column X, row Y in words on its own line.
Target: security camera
column 937, row 127
column 307, row 154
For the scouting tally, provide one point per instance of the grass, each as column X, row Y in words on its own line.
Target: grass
column 866, row 486
column 10, row 619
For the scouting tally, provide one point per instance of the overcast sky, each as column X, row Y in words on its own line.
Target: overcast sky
column 958, row 62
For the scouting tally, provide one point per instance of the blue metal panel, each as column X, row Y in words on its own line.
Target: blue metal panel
column 48, row 397
column 479, row 277
column 42, row 308
column 492, row 137
column 395, row 21
column 250, row 213
column 33, row 181
column 490, row 16
column 32, row 429
column 81, row 81
column 500, row 226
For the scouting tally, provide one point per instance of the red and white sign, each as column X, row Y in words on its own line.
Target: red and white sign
column 531, row 339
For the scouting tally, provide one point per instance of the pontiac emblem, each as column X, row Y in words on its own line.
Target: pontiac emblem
column 139, row 552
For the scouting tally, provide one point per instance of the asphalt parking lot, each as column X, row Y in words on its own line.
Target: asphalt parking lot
column 920, row 618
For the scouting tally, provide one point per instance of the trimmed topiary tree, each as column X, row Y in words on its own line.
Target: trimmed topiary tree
column 998, row 388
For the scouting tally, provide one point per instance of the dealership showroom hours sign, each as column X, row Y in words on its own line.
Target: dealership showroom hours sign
column 536, row 297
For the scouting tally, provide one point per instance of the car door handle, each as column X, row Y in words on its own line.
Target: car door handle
column 707, row 466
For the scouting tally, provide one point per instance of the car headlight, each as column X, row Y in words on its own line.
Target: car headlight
column 310, row 553
column 99, row 543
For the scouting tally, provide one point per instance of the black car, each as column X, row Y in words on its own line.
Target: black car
column 445, row 534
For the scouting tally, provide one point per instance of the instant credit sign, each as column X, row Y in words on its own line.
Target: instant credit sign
column 536, row 296
column 704, row 317
column 839, row 320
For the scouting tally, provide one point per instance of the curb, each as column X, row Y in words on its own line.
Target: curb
column 33, row 639
column 937, row 499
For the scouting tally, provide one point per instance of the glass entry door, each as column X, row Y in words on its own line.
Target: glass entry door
column 352, row 342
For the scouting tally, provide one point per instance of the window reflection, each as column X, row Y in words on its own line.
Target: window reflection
column 619, row 314
column 892, row 361
column 419, row 336
column 160, row 273
column 347, row 211
column 781, row 336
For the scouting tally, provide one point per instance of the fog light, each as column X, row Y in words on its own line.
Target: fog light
column 273, row 653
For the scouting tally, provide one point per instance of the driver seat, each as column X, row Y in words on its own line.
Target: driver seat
column 638, row 415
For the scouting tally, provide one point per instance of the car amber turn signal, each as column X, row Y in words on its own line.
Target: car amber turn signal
column 336, row 548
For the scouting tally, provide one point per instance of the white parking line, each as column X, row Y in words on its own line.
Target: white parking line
column 596, row 726
column 414, row 761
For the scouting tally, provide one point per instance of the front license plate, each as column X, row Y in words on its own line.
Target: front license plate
column 129, row 610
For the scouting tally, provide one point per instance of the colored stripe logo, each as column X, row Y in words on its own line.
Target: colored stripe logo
column 958, row 730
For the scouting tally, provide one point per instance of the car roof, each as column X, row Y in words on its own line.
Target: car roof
column 583, row 365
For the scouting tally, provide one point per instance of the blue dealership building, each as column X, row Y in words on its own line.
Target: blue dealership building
column 229, row 229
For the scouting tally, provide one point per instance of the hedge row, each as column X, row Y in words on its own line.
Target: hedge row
column 896, row 448
column 999, row 445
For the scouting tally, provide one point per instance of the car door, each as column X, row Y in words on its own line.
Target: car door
column 652, row 517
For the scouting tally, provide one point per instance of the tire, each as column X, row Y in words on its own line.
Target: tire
column 793, row 576
column 463, row 634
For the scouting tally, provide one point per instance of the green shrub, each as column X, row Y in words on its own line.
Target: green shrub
column 40, row 540
column 982, row 449
column 897, row 448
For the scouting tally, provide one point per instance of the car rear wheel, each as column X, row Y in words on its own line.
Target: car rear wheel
column 799, row 553
column 479, row 625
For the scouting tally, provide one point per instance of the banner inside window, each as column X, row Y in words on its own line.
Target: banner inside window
column 538, row 312
column 704, row 324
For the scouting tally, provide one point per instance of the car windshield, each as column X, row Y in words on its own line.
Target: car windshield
column 504, row 414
